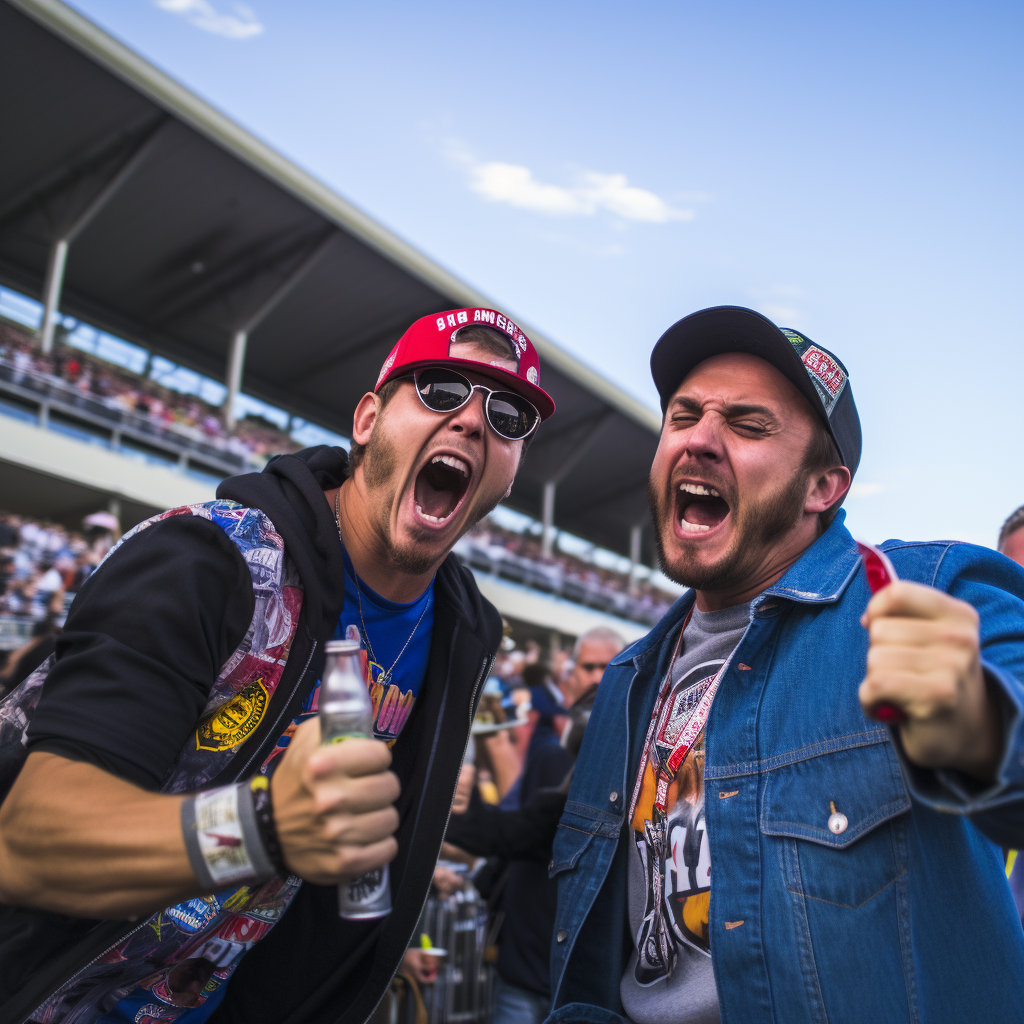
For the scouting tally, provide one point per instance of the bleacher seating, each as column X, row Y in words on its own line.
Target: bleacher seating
column 78, row 394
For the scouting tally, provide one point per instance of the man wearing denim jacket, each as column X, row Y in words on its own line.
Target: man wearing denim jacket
column 857, row 875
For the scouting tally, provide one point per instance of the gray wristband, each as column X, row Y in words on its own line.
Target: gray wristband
column 222, row 840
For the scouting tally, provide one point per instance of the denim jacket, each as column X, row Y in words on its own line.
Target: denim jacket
column 905, row 915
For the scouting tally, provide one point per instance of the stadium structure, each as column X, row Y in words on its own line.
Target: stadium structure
column 132, row 205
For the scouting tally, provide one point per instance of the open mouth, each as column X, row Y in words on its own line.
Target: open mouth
column 440, row 487
column 699, row 509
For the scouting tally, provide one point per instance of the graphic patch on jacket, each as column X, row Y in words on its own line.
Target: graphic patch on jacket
column 667, row 815
column 180, row 958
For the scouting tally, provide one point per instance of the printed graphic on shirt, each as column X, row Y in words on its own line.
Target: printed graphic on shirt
column 235, row 720
column 174, row 965
column 391, row 706
column 667, row 815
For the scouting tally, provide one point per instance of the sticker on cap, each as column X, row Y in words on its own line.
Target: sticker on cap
column 795, row 337
column 828, row 376
column 532, row 375
column 388, row 363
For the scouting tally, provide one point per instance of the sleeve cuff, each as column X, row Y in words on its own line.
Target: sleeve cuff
column 955, row 793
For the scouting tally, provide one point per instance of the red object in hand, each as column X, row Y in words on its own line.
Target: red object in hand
column 880, row 573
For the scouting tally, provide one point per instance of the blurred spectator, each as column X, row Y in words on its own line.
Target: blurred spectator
column 8, row 533
column 18, row 664
column 523, row 836
column 590, row 657
column 38, row 567
column 1011, row 536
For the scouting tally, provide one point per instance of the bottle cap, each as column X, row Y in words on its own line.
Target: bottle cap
column 342, row 647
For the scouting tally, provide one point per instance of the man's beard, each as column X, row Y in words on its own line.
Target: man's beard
column 380, row 461
column 762, row 522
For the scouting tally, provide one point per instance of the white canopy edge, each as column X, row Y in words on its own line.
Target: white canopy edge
column 105, row 471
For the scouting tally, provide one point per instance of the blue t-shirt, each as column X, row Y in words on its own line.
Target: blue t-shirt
column 389, row 625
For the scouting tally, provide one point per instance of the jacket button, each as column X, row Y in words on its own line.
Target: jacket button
column 837, row 823
column 613, row 795
column 560, row 937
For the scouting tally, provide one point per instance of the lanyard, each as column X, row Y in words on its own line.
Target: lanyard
column 687, row 736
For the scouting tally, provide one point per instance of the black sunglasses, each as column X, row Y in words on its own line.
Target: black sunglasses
column 445, row 390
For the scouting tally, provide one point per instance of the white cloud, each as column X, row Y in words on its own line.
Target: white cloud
column 612, row 193
column 243, row 24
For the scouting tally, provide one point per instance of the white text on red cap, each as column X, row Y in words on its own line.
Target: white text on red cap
column 488, row 316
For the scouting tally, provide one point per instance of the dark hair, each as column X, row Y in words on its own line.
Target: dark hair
column 491, row 340
column 1014, row 522
column 821, row 456
column 357, row 451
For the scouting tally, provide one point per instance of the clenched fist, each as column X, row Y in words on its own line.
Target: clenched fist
column 925, row 658
column 333, row 806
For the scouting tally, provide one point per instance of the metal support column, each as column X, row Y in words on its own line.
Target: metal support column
column 239, row 340
column 54, row 284
column 548, row 518
column 51, row 292
column 635, row 534
column 236, row 360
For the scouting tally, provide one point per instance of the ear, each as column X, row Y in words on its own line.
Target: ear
column 826, row 489
column 365, row 417
column 508, row 492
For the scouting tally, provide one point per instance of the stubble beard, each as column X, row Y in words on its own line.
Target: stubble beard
column 380, row 462
column 759, row 524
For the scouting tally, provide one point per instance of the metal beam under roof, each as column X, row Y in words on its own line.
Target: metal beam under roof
column 212, row 220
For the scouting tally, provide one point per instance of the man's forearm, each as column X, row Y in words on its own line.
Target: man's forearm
column 76, row 840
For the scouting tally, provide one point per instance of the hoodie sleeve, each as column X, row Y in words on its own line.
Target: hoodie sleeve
column 143, row 643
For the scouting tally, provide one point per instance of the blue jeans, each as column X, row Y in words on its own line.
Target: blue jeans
column 515, row 1005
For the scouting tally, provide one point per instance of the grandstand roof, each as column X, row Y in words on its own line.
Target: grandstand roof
column 192, row 227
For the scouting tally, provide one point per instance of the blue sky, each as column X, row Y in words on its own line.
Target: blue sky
column 601, row 170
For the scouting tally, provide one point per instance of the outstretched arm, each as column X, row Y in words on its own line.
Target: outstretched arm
column 951, row 657
column 77, row 840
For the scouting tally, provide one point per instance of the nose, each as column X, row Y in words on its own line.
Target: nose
column 704, row 439
column 470, row 420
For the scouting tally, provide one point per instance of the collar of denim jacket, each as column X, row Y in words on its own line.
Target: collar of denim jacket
column 666, row 624
column 823, row 572
column 819, row 576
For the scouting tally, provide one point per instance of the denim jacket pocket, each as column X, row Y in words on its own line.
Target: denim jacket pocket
column 576, row 831
column 834, row 803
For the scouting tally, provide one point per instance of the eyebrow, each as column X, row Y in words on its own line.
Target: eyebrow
column 739, row 409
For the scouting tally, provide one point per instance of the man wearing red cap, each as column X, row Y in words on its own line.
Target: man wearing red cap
column 171, row 832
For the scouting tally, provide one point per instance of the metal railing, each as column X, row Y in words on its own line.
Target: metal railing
column 552, row 578
column 58, row 405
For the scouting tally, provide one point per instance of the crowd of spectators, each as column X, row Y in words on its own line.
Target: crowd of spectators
column 520, row 557
column 119, row 388
column 42, row 566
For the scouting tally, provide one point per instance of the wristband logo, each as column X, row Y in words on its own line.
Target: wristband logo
column 235, row 720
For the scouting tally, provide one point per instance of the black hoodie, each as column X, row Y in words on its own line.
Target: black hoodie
column 312, row 966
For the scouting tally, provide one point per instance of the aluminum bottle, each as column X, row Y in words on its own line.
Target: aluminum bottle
column 346, row 712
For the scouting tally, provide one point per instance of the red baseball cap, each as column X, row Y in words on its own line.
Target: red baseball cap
column 428, row 343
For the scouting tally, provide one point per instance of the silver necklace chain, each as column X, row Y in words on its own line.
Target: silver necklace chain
column 385, row 678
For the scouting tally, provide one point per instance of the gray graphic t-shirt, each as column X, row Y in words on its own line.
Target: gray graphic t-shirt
column 669, row 979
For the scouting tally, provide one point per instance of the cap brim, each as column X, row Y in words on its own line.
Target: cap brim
column 720, row 329
column 543, row 402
